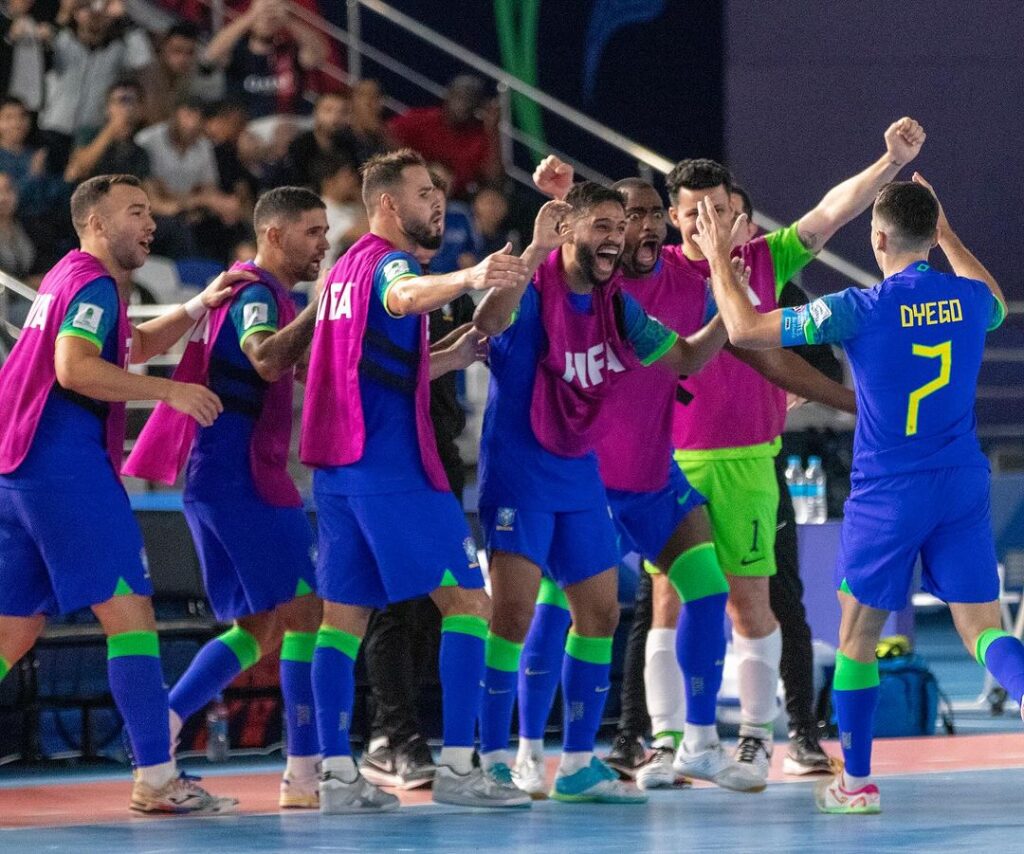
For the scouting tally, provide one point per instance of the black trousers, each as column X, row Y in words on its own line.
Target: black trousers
column 401, row 645
column 786, row 592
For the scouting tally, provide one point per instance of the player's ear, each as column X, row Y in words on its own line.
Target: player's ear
column 880, row 240
column 673, row 216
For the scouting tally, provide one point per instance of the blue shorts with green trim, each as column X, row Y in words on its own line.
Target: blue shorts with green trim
column 63, row 551
column 378, row 549
column 254, row 556
column 942, row 515
column 569, row 546
column 646, row 520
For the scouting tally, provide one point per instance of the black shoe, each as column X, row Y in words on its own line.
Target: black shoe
column 628, row 753
column 408, row 766
column 805, row 754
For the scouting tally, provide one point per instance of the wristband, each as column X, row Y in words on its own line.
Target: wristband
column 194, row 308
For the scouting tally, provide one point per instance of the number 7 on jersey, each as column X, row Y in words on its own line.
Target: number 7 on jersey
column 944, row 353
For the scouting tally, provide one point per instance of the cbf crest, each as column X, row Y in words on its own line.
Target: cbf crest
column 506, row 518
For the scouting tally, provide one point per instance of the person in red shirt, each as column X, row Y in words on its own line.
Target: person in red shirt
column 460, row 132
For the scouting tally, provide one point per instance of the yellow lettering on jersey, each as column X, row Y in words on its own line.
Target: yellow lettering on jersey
column 932, row 313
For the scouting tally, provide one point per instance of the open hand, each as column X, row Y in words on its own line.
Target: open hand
column 715, row 236
column 500, row 269
column 195, row 400
column 466, row 345
column 220, row 288
column 550, row 229
column 741, row 271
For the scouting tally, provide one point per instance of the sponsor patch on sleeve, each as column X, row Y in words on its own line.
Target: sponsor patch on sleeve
column 255, row 314
column 88, row 318
column 395, row 270
column 820, row 312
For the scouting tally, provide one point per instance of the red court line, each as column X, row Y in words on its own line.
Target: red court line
column 106, row 802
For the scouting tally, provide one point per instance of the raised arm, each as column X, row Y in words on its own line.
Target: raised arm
column 791, row 373
column 158, row 335
column 553, row 177
column 218, row 51
column 845, row 201
column 496, row 310
column 959, row 256
column 689, row 355
column 422, row 294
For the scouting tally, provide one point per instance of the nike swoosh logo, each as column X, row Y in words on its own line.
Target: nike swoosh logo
column 602, row 690
column 536, row 672
column 682, row 499
column 781, row 525
column 506, row 691
column 745, row 562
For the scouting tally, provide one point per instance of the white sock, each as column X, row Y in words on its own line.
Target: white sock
column 176, row 724
column 459, row 759
column 697, row 738
column 758, row 674
column 157, row 776
column 342, row 767
column 302, row 767
column 573, row 762
column 851, row 783
column 495, row 757
column 663, row 682
column 530, row 748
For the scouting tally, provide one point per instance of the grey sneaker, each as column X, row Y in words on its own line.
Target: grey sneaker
column 179, row 795
column 360, row 796
column 716, row 766
column 478, row 789
column 658, row 772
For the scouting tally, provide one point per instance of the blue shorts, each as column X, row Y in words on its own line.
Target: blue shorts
column 568, row 546
column 943, row 515
column 377, row 549
column 646, row 520
column 254, row 556
column 60, row 552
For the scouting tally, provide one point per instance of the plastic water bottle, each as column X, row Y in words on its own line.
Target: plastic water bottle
column 797, row 488
column 817, row 494
column 217, row 731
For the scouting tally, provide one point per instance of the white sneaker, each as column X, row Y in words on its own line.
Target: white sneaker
column 493, row 788
column 299, row 793
column 360, row 796
column 180, row 794
column 529, row 775
column 755, row 753
column 716, row 766
column 658, row 771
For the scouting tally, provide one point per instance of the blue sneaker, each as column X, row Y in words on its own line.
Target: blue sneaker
column 595, row 784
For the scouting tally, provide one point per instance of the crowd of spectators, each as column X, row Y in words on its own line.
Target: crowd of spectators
column 208, row 124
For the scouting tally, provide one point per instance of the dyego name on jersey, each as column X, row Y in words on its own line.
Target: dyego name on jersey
column 931, row 313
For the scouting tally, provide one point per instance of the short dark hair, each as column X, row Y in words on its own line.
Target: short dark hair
column 633, row 183
column 746, row 201
column 11, row 101
column 911, row 210
column 697, row 173
column 287, row 202
column 126, row 83
column 184, row 30
column 587, row 195
column 383, row 171
column 91, row 192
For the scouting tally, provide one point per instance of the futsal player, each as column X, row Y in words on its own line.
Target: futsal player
column 245, row 514
column 920, row 483
column 68, row 539
column 559, row 346
column 389, row 527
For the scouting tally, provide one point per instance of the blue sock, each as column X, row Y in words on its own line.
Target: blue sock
column 502, row 659
column 334, row 687
column 461, row 666
column 213, row 669
column 700, row 649
column 297, row 650
column 585, row 674
column 541, row 663
column 855, row 696
column 700, row 633
column 1003, row 655
column 137, row 685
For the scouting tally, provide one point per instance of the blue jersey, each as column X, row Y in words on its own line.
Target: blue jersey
column 70, row 439
column 391, row 456
column 515, row 470
column 459, row 238
column 219, row 463
column 915, row 346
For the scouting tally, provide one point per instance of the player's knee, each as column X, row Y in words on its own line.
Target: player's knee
column 513, row 623
column 598, row 619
